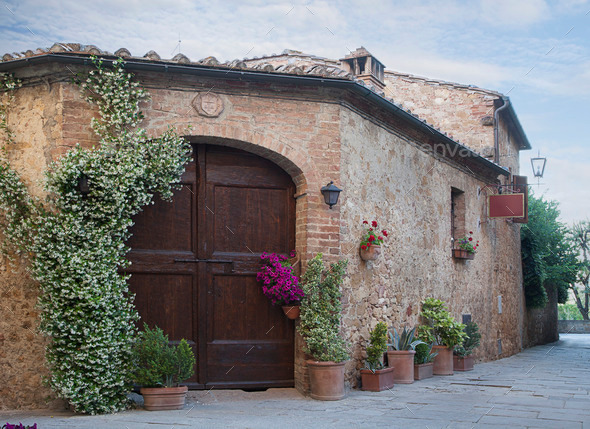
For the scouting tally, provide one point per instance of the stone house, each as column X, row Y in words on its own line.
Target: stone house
column 417, row 155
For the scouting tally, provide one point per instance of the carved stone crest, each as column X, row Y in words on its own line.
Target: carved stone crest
column 208, row 104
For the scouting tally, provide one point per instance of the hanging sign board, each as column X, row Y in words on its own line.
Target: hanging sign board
column 506, row 205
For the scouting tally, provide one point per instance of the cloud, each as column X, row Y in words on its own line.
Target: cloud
column 490, row 43
column 512, row 13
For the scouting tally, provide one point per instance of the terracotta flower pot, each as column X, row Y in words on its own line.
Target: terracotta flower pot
column 292, row 311
column 370, row 253
column 443, row 362
column 463, row 363
column 378, row 380
column 422, row 371
column 402, row 362
column 462, row 254
column 326, row 380
column 163, row 398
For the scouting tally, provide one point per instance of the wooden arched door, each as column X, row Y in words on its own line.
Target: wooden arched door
column 194, row 264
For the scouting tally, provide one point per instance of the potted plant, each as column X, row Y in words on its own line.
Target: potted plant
column 160, row 367
column 423, row 361
column 279, row 284
column 320, row 328
column 465, row 248
column 443, row 330
column 462, row 359
column 401, row 355
column 375, row 377
column 371, row 241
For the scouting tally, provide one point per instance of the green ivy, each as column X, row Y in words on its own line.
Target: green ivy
column 321, row 310
column 76, row 243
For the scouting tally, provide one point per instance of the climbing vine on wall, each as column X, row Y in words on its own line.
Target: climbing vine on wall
column 76, row 243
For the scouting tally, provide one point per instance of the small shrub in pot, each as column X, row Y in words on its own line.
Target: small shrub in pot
column 160, row 367
column 374, row 376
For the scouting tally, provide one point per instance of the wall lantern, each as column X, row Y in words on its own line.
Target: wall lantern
column 330, row 193
column 83, row 185
column 538, row 164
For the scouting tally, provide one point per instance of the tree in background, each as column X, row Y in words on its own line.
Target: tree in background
column 580, row 240
column 549, row 259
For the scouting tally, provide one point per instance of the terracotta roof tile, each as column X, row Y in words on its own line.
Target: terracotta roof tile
column 76, row 48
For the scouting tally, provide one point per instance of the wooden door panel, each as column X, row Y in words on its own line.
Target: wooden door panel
column 252, row 364
column 249, row 220
column 166, row 301
column 238, row 168
column 166, row 226
column 233, row 205
column 239, row 311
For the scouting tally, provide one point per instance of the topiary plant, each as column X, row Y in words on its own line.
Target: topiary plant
column 440, row 326
column 470, row 342
column 424, row 353
column 321, row 310
column 377, row 346
column 158, row 364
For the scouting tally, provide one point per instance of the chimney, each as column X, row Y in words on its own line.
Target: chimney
column 365, row 67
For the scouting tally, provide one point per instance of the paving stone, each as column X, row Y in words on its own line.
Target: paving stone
column 553, row 394
column 529, row 423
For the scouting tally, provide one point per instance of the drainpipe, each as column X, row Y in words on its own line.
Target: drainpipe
column 506, row 101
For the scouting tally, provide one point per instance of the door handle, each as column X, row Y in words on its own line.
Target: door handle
column 210, row 261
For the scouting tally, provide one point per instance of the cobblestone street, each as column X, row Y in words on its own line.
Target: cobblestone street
column 542, row 387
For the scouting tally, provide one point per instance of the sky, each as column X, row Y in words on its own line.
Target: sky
column 535, row 51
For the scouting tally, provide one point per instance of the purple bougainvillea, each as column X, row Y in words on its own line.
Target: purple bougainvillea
column 279, row 284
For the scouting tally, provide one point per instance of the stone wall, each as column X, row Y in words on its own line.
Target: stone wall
column 459, row 110
column 36, row 120
column 573, row 326
column 316, row 135
column 408, row 191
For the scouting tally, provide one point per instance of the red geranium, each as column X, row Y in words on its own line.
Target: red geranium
column 465, row 243
column 371, row 237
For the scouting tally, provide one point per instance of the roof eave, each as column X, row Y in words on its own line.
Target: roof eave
column 257, row 75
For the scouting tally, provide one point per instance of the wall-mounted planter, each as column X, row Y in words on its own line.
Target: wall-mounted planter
column 292, row 311
column 462, row 254
column 371, row 253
